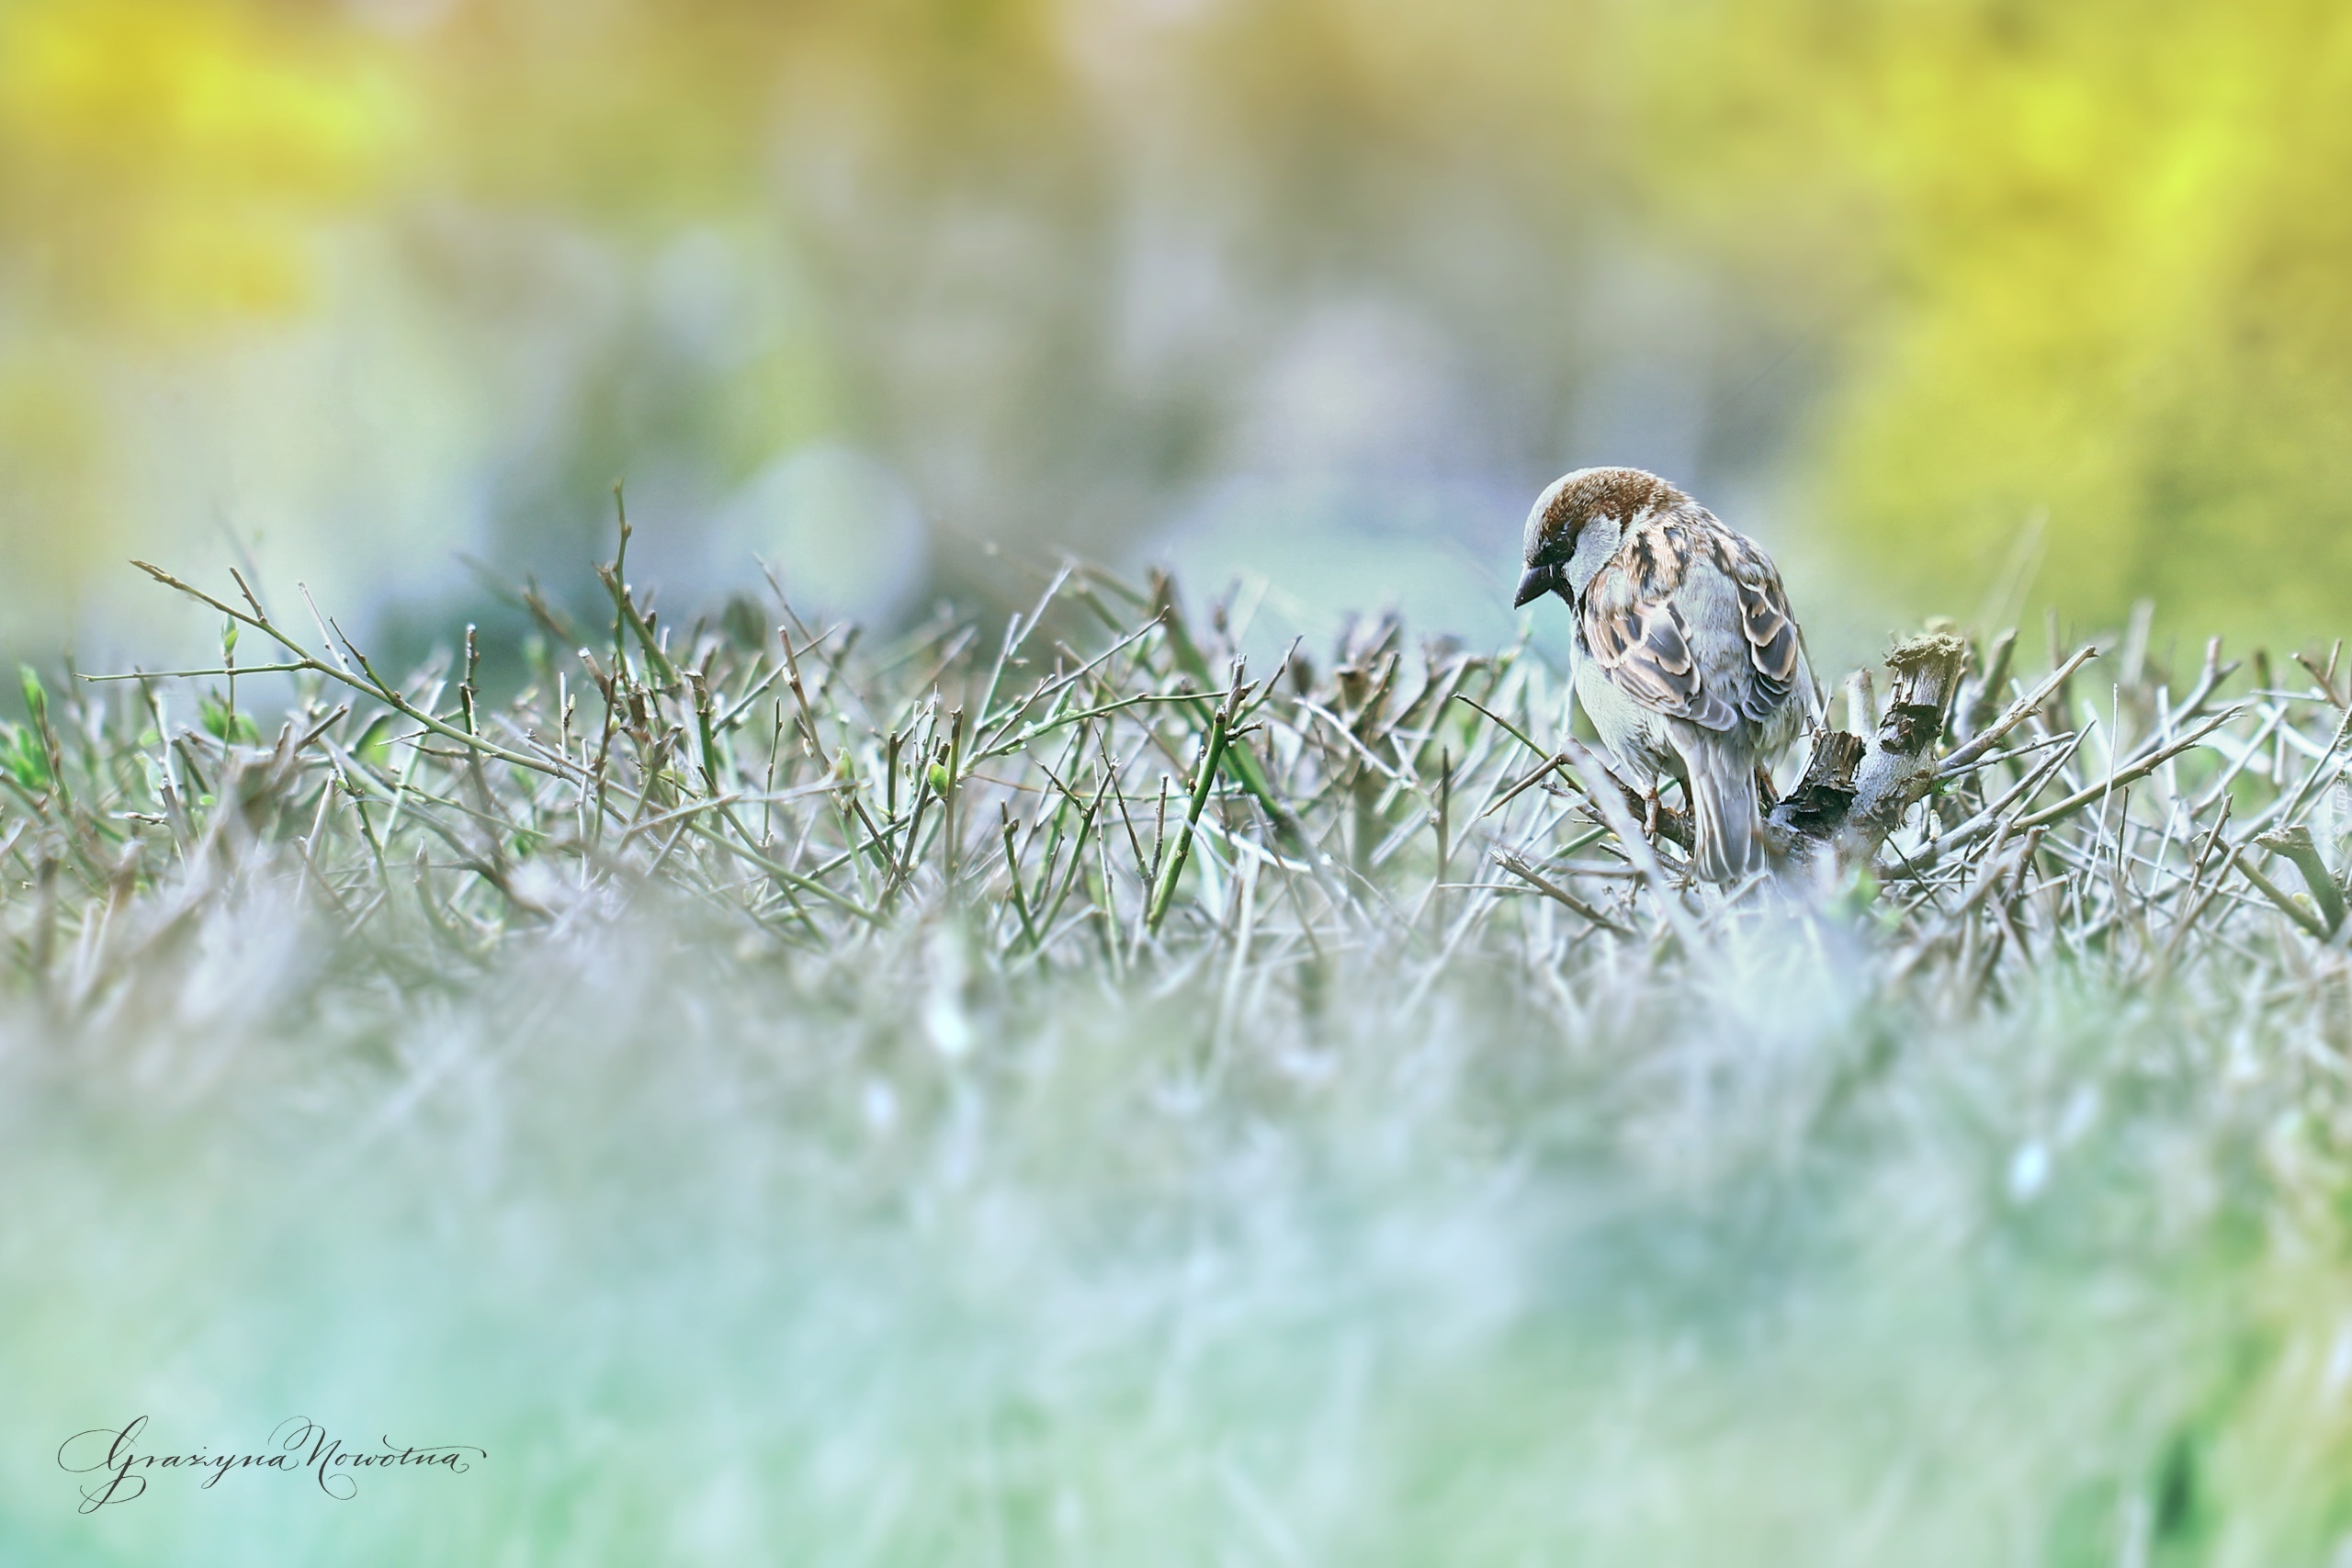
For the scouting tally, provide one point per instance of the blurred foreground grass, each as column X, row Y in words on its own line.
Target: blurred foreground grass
column 790, row 1102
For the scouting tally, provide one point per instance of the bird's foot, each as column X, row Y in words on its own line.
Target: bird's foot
column 1650, row 810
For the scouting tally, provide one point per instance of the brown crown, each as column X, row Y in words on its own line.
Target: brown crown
column 1622, row 493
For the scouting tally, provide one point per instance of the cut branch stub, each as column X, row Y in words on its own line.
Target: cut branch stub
column 1855, row 793
column 1927, row 674
column 1900, row 764
column 1825, row 793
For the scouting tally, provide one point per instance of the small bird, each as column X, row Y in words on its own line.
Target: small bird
column 1687, row 656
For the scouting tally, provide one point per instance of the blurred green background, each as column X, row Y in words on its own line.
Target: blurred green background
column 1963, row 305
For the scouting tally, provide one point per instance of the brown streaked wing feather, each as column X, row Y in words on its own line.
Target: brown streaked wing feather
column 1644, row 645
column 1764, row 616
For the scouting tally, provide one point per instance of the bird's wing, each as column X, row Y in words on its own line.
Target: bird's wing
column 1774, row 648
column 1638, row 636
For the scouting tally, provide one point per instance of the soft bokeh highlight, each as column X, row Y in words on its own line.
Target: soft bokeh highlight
column 1964, row 306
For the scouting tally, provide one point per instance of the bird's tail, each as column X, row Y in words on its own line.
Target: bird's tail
column 1726, row 846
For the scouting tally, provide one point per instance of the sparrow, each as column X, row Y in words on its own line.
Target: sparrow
column 1686, row 657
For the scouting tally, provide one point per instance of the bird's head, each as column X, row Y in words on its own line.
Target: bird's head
column 1563, row 519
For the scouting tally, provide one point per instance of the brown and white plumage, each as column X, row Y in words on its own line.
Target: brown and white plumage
column 1689, row 660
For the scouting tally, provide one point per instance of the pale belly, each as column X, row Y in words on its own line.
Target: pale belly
column 1637, row 738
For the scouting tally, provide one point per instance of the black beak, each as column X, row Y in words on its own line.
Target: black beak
column 1538, row 581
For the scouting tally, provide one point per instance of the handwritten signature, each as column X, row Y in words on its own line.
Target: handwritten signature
column 113, row 1457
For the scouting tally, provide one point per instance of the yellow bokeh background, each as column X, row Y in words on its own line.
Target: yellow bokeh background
column 2107, row 282
column 1965, row 305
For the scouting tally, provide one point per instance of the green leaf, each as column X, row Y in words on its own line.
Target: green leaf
column 374, row 746
column 36, row 698
column 24, row 757
column 223, row 724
